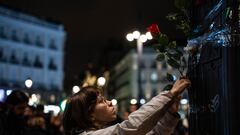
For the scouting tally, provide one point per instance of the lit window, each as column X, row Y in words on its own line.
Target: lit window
column 154, row 77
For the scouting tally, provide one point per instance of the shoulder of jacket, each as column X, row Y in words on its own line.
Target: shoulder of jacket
column 83, row 133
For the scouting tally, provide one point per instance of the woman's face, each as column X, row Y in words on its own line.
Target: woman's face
column 104, row 111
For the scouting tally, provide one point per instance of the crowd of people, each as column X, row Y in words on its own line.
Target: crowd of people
column 18, row 118
column 88, row 112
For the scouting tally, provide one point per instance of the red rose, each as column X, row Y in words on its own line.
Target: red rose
column 199, row 2
column 154, row 29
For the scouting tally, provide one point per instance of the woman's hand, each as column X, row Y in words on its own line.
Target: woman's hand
column 179, row 86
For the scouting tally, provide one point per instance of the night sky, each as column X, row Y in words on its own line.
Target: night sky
column 96, row 29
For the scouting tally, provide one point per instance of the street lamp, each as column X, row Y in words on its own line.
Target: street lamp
column 101, row 81
column 75, row 89
column 141, row 38
column 28, row 83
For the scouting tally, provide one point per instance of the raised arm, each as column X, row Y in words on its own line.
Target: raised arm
column 147, row 116
column 167, row 124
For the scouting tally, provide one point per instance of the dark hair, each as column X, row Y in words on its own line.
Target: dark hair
column 40, row 107
column 79, row 107
column 16, row 97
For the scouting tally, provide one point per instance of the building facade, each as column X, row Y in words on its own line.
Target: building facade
column 128, row 77
column 30, row 48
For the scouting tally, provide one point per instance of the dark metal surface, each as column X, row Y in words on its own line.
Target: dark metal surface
column 215, row 92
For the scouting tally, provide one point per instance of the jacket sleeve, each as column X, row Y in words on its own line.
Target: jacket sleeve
column 166, row 125
column 141, row 121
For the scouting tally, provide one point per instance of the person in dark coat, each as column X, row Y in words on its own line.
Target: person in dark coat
column 12, row 116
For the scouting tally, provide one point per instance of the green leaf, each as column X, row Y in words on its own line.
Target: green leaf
column 184, row 27
column 172, row 45
column 173, row 63
column 160, row 57
column 173, row 54
column 163, row 39
column 168, row 87
column 155, row 46
column 170, row 77
column 159, row 47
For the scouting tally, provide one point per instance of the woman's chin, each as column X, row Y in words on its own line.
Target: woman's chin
column 114, row 117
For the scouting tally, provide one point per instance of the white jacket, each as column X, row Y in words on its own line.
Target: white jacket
column 150, row 119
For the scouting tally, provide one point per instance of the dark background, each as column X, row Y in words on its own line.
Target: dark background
column 96, row 29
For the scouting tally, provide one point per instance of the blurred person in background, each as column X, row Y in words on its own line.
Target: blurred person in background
column 56, row 127
column 12, row 117
column 36, row 126
column 88, row 113
column 39, row 111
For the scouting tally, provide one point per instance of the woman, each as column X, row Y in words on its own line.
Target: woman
column 88, row 112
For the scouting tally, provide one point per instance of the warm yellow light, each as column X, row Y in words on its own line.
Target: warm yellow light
column 75, row 89
column 149, row 35
column 130, row 37
column 136, row 34
column 101, row 81
column 143, row 38
column 133, row 101
column 114, row 102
